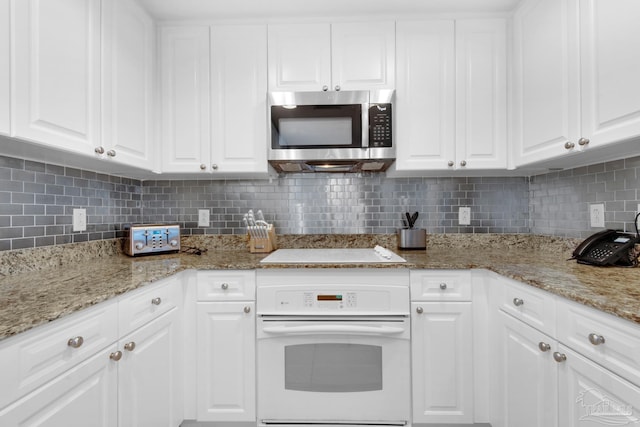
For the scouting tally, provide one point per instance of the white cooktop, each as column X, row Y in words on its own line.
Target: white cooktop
column 375, row 255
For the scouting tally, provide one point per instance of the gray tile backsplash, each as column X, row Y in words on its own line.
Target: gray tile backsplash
column 37, row 201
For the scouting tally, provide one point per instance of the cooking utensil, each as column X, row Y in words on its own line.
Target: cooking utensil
column 414, row 218
column 408, row 215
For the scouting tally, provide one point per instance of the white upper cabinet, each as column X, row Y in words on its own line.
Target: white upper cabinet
column 575, row 78
column 425, row 97
column 5, row 68
column 481, row 94
column 184, row 75
column 343, row 56
column 214, row 94
column 545, row 83
column 57, row 73
column 610, row 66
column 128, row 70
column 299, row 56
column 451, row 95
column 239, row 98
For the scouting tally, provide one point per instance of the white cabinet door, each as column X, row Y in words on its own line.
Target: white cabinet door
column 546, row 98
column 185, row 117
column 226, row 361
column 528, row 376
column 342, row 56
column 610, row 66
column 593, row 396
column 425, row 96
column 5, row 68
column 442, row 354
column 363, row 55
column 85, row 395
column 299, row 57
column 57, row 73
column 150, row 374
column 481, row 94
column 239, row 98
column 128, row 70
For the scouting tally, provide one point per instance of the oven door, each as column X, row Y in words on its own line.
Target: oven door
column 333, row 370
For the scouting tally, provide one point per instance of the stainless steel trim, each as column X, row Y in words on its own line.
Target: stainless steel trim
column 334, row 423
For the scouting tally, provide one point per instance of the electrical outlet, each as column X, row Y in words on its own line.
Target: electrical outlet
column 464, row 216
column 79, row 219
column 203, row 217
column 597, row 215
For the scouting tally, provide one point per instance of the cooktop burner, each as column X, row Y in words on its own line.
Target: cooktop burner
column 375, row 255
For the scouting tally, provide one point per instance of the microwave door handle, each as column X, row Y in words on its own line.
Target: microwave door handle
column 333, row 329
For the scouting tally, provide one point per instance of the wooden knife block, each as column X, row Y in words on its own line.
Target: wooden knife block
column 260, row 246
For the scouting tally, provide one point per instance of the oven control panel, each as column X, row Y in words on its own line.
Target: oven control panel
column 333, row 301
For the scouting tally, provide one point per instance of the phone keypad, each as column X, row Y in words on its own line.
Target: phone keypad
column 600, row 254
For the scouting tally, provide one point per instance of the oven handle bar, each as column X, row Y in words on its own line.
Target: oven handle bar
column 332, row 329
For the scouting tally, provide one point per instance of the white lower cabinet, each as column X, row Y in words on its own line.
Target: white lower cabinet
column 85, row 395
column 442, row 347
column 5, row 69
column 149, row 375
column 226, row 361
column 567, row 379
column 528, row 376
column 226, row 346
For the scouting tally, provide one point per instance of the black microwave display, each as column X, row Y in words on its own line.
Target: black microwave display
column 380, row 125
column 316, row 126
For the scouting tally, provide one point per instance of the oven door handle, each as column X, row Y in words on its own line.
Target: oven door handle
column 333, row 329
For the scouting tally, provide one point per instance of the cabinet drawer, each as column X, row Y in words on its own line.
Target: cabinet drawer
column 226, row 286
column 619, row 347
column 144, row 305
column 31, row 359
column 531, row 305
column 440, row 285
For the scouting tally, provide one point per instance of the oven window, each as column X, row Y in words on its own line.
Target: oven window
column 333, row 367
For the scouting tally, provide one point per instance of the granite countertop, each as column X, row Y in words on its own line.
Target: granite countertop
column 37, row 286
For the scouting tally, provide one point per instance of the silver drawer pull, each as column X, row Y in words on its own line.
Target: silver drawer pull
column 130, row 346
column 543, row 346
column 518, row 302
column 559, row 357
column 75, row 342
column 419, row 310
column 116, row 356
column 156, row 301
column 443, row 286
column 247, row 309
column 224, row 286
column 596, row 339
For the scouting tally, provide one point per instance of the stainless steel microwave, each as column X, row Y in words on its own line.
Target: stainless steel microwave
column 343, row 131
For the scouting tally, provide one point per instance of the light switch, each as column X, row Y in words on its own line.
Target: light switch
column 79, row 220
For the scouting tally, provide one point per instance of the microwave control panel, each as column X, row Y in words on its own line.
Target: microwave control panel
column 380, row 130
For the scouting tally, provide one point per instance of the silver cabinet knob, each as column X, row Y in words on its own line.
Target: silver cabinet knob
column 559, row 357
column 596, row 339
column 419, row 310
column 224, row 286
column 130, row 346
column 543, row 346
column 156, row 301
column 115, row 356
column 75, row 342
column 443, row 286
column 111, row 153
column 450, row 163
column 337, row 88
column 214, row 167
column 518, row 302
column 99, row 150
column 463, row 163
column 569, row 145
column 247, row 309
column 583, row 141
column 325, row 88
column 203, row 166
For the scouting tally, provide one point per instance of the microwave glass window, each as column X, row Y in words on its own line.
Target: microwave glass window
column 315, row 132
column 333, row 367
column 325, row 126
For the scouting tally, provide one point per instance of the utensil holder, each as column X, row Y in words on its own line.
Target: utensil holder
column 412, row 238
column 262, row 245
